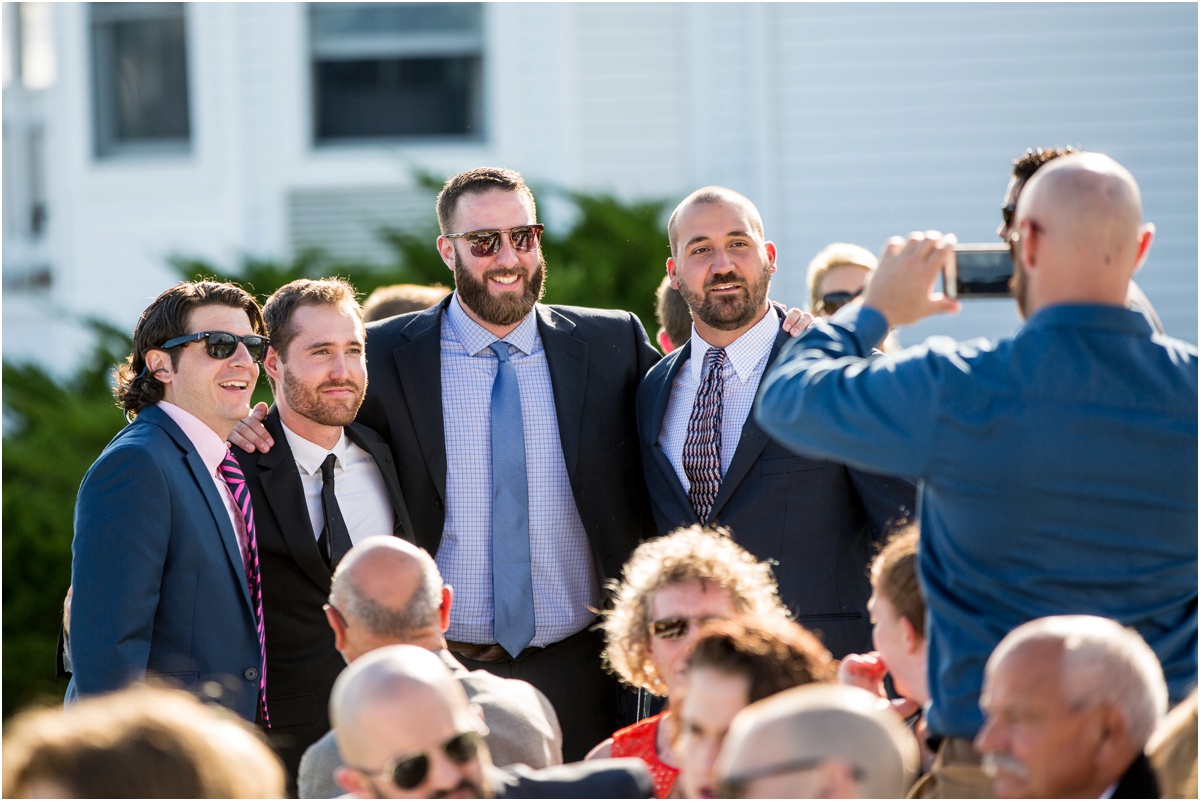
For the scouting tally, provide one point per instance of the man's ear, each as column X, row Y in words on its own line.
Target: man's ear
column 671, row 272
column 158, row 364
column 353, row 783
column 271, row 363
column 447, row 603
column 339, row 629
column 445, row 248
column 1114, row 741
column 1145, row 239
column 772, row 254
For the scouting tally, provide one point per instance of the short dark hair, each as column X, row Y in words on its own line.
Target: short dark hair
column 388, row 301
column 894, row 576
column 1025, row 165
column 279, row 308
column 713, row 194
column 673, row 313
column 773, row 655
column 477, row 181
column 166, row 318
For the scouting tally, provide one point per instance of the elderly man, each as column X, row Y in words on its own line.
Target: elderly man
column 388, row 592
column 406, row 729
column 1071, row 702
column 818, row 741
column 1085, row 422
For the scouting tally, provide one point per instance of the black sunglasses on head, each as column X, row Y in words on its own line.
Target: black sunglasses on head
column 836, row 300
column 411, row 771
column 486, row 242
column 222, row 344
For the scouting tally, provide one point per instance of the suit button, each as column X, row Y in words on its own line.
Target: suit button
column 437, row 502
column 251, row 674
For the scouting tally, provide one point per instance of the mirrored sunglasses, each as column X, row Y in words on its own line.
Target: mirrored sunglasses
column 486, row 242
column 222, row 344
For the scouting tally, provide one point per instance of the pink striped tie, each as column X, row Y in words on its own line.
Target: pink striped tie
column 232, row 473
column 702, row 445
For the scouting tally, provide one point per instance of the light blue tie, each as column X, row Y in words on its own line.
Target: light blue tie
column 512, row 576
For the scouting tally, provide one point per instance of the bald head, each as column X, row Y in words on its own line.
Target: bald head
column 713, row 194
column 1080, row 232
column 839, row 741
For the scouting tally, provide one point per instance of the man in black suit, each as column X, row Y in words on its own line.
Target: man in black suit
column 317, row 369
column 707, row 461
column 490, row 381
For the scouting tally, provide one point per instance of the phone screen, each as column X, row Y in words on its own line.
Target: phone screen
column 981, row 271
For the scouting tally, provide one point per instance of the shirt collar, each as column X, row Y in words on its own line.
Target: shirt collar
column 310, row 456
column 1117, row 319
column 209, row 445
column 476, row 339
column 745, row 352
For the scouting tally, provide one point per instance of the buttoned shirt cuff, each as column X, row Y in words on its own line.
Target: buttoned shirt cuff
column 866, row 325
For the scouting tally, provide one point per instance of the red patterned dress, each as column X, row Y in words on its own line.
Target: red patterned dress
column 641, row 740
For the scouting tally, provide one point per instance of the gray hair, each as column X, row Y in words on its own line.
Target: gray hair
column 378, row 619
column 1102, row 662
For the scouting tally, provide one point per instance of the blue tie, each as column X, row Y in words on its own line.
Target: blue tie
column 512, row 576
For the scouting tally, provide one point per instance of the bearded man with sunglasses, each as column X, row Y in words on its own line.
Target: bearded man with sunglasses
column 164, row 564
column 512, row 425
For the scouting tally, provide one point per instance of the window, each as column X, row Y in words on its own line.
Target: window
column 140, row 89
column 387, row 71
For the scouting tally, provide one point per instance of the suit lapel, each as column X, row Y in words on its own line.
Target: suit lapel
column 567, row 362
column 419, row 361
column 658, row 410
column 284, row 492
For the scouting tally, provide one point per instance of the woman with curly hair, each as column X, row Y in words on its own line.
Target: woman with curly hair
column 670, row 586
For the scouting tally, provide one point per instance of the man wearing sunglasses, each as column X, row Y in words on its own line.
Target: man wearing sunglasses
column 513, row 428
column 708, row 462
column 164, row 566
column 328, row 484
column 406, row 730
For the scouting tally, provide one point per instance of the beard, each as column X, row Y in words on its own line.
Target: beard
column 729, row 312
column 508, row 308
column 307, row 400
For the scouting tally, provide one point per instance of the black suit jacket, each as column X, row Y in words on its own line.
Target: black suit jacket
column 595, row 358
column 603, row 778
column 302, row 663
column 819, row 521
column 1138, row 781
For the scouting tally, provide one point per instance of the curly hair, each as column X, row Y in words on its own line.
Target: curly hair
column 688, row 554
column 166, row 318
column 1029, row 162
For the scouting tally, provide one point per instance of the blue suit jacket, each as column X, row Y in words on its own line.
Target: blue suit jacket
column 158, row 580
column 818, row 520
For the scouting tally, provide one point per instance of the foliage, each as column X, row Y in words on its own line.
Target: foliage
column 611, row 256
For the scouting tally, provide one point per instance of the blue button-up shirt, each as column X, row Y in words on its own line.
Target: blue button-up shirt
column 1058, row 475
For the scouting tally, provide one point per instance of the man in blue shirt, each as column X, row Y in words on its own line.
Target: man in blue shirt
column 1058, row 467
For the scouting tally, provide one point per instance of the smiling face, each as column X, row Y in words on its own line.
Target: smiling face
column 694, row 601
column 217, row 391
column 497, row 291
column 322, row 380
column 711, row 700
column 722, row 267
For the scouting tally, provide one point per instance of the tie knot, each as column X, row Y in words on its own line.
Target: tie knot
column 229, row 469
column 327, row 467
column 714, row 359
column 500, row 348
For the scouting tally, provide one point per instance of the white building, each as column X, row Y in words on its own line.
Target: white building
column 133, row 131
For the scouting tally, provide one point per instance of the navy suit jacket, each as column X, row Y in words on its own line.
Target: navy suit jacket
column 595, row 358
column 158, row 580
column 302, row 663
column 817, row 520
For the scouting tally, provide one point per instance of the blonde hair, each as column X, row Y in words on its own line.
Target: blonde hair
column 688, row 554
column 839, row 254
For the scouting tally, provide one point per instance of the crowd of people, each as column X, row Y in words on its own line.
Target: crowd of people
column 532, row 558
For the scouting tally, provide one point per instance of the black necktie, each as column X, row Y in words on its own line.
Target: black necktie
column 335, row 537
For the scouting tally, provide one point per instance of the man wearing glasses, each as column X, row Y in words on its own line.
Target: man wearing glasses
column 1058, row 467
column 707, row 461
column 512, row 425
column 165, row 566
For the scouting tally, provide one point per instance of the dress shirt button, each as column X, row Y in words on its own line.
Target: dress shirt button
column 251, row 674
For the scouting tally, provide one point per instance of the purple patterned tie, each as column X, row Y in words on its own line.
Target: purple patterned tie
column 232, row 473
column 702, row 447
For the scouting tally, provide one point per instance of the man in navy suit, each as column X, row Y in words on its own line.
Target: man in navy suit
column 162, row 566
column 707, row 461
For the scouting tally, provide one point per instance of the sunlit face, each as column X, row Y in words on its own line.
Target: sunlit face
column 1035, row 742
column 695, row 601
column 217, row 391
column 324, row 376
column 723, row 266
column 500, row 289
column 896, row 647
column 847, row 278
column 712, row 698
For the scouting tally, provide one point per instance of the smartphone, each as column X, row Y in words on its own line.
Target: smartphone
column 979, row 271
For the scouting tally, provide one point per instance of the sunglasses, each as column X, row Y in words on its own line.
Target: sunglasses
column 676, row 628
column 486, row 242
column 410, row 772
column 836, row 300
column 1007, row 213
column 736, row 787
column 222, row 344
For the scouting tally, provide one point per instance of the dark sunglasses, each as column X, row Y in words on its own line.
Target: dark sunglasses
column 222, row 344
column 410, row 772
column 675, row 628
column 1007, row 213
column 734, row 787
column 836, row 300
column 486, row 242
